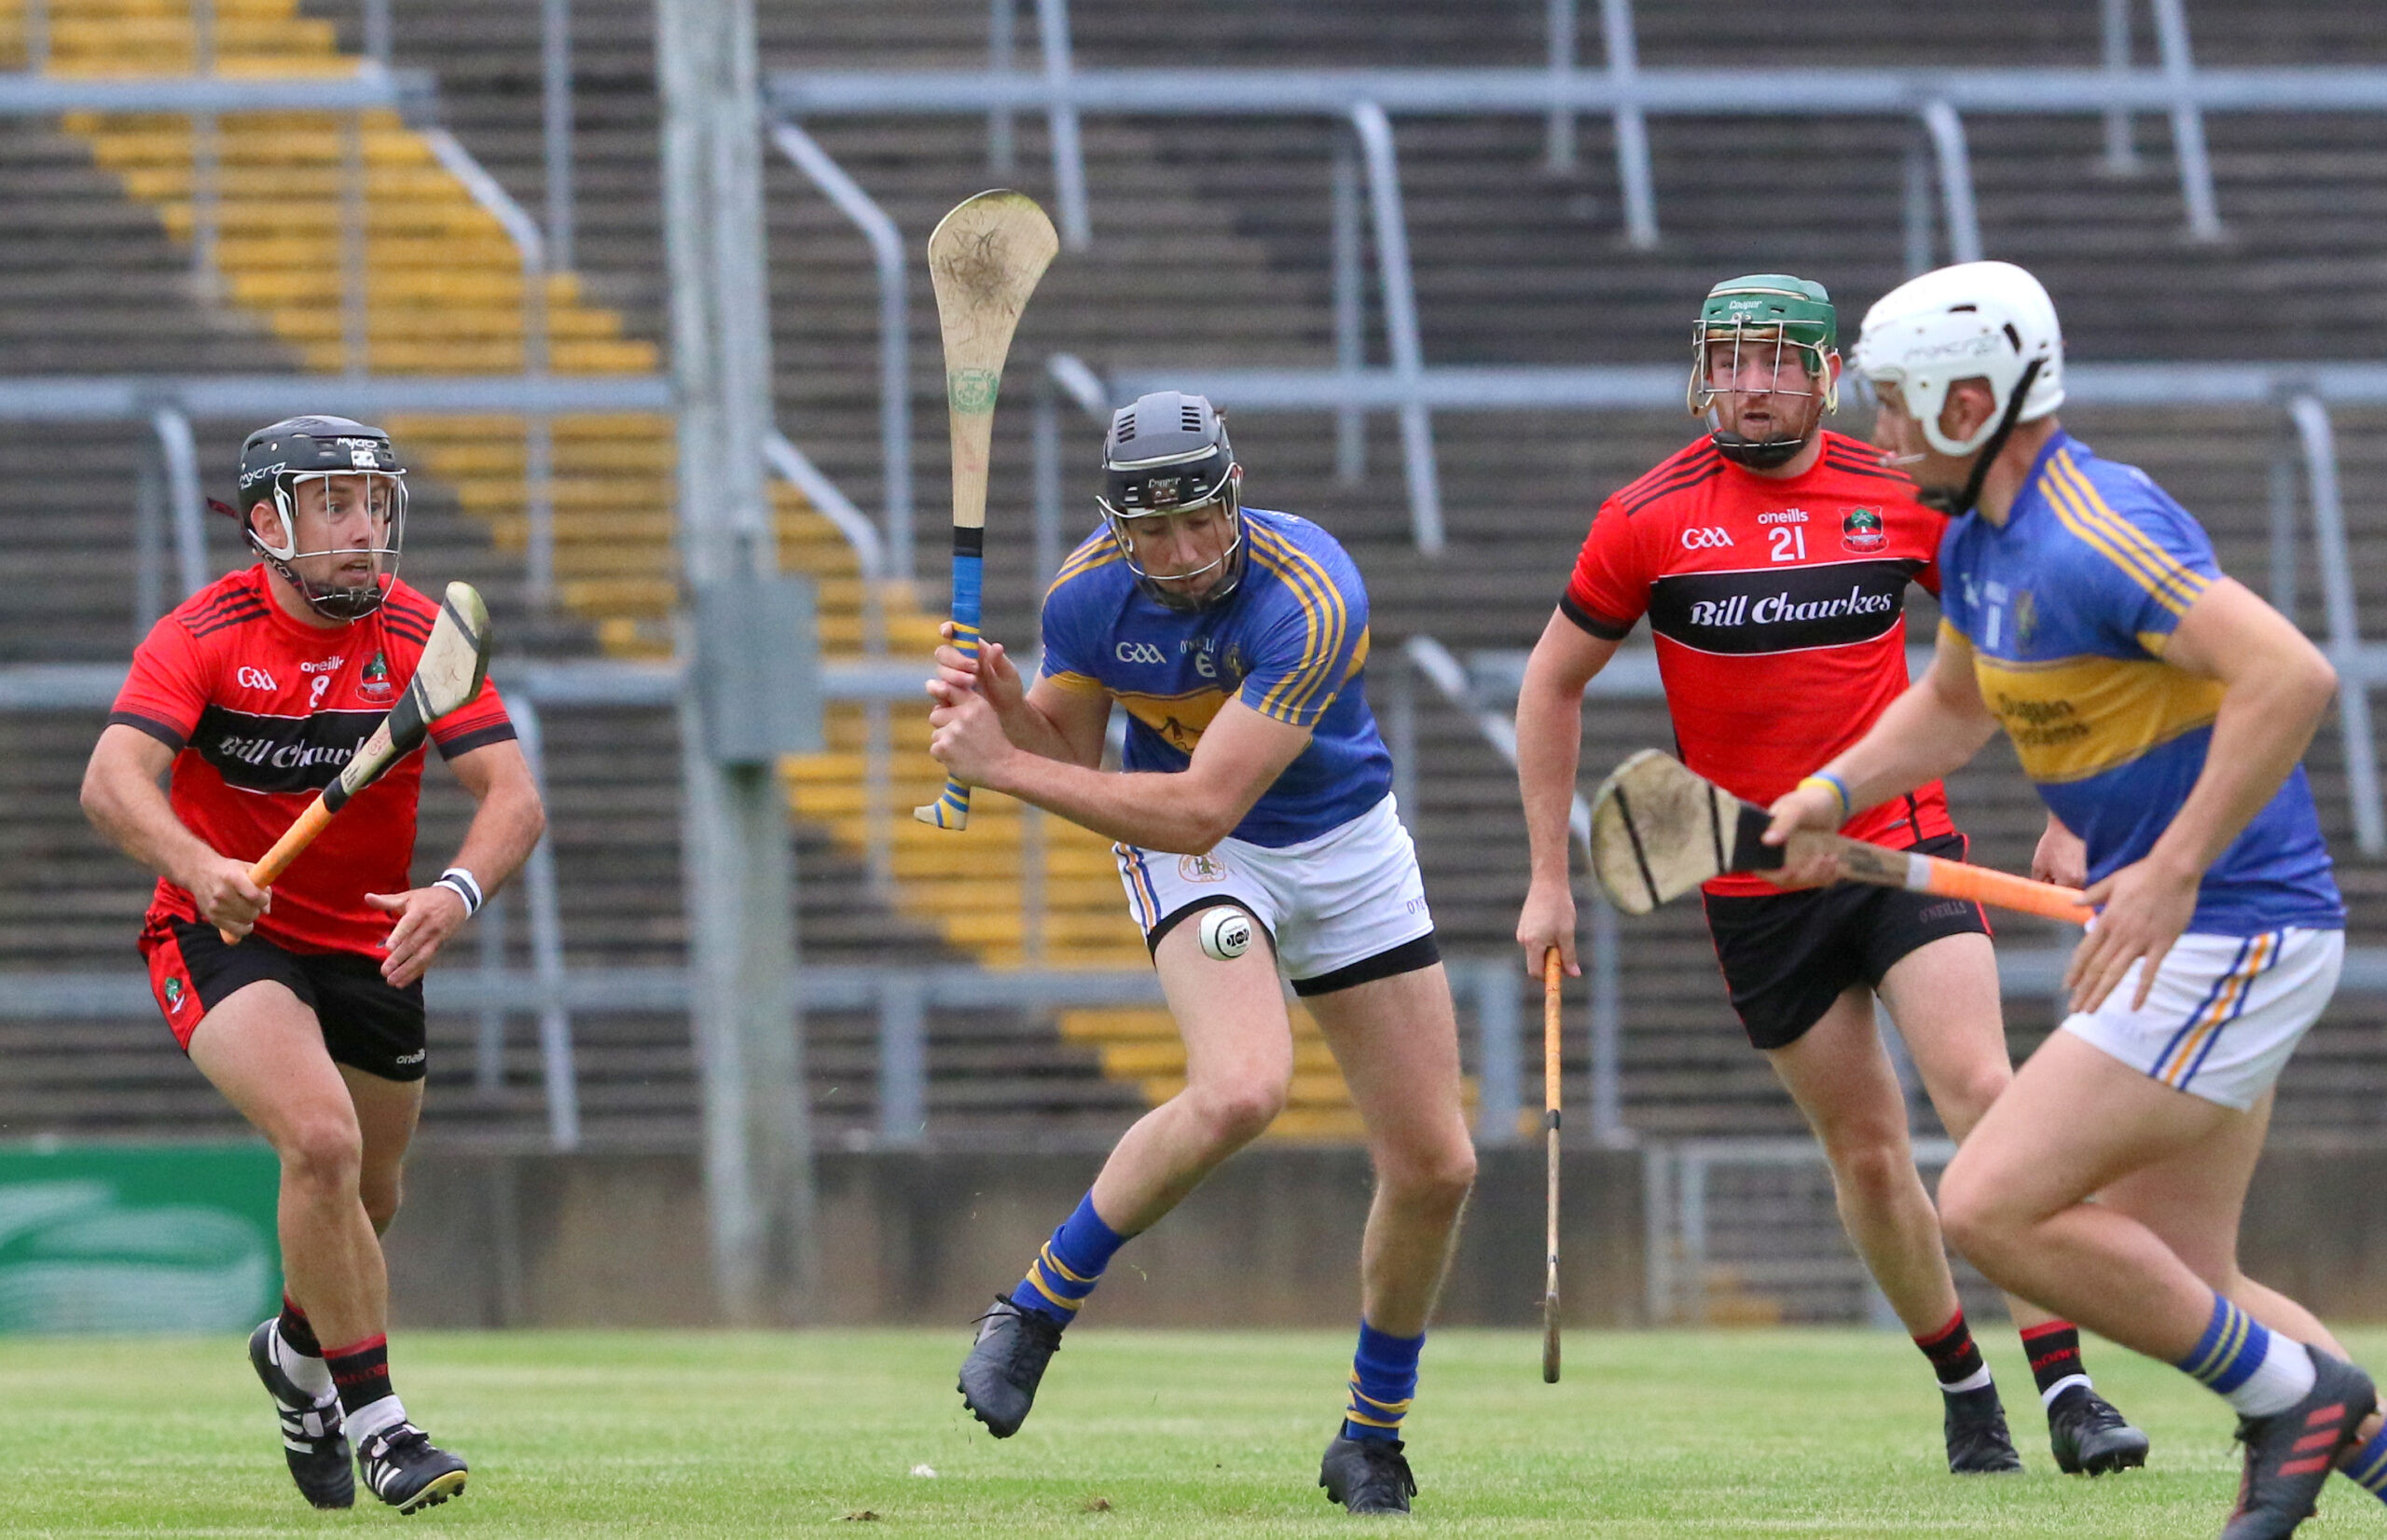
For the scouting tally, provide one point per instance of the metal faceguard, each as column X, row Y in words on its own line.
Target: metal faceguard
column 1776, row 312
column 1169, row 454
column 277, row 459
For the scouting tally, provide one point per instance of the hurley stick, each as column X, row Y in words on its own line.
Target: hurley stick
column 455, row 660
column 1659, row 830
column 1551, row 971
column 983, row 260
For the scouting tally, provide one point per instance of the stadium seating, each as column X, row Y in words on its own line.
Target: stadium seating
column 1211, row 247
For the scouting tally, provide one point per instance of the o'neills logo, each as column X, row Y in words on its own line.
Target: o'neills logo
column 1778, row 609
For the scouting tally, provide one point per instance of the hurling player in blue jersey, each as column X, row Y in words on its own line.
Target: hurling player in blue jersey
column 2163, row 711
column 1256, row 835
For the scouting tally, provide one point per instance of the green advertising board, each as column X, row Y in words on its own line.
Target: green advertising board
column 137, row 1238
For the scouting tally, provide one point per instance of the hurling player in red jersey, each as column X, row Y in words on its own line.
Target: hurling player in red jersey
column 1771, row 558
column 253, row 692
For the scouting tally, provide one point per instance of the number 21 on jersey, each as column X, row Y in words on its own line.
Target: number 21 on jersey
column 1790, row 541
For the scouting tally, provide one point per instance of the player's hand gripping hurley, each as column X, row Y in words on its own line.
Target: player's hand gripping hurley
column 1659, row 830
column 1552, row 971
column 983, row 260
column 454, row 662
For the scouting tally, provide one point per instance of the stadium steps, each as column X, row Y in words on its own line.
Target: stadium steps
column 970, row 890
column 122, row 301
column 1516, row 265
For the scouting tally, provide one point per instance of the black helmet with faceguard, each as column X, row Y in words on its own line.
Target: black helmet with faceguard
column 1768, row 317
column 1167, row 454
column 277, row 460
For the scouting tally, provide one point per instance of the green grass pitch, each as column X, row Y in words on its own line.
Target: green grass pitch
column 1727, row 1432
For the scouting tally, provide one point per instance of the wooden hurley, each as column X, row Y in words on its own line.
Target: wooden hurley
column 1659, row 830
column 455, row 661
column 985, row 259
column 1552, row 971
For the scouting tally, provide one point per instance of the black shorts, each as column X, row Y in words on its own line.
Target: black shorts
column 1787, row 956
column 369, row 1024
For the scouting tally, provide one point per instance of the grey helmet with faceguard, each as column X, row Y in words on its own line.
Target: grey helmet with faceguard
column 1775, row 317
column 277, row 460
column 1167, row 454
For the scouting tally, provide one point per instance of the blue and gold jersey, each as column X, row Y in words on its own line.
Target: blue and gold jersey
column 2068, row 607
column 1290, row 643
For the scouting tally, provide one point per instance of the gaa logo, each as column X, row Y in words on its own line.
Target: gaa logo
column 1861, row 530
column 1139, row 651
column 374, row 683
column 1706, row 539
column 253, row 678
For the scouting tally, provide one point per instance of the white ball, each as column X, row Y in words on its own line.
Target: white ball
column 1226, row 932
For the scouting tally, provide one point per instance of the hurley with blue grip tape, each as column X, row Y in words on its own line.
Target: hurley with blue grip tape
column 984, row 259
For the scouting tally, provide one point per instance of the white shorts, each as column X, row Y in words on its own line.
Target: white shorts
column 1342, row 908
column 2225, row 1014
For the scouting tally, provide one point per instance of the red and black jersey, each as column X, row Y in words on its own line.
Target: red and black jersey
column 1778, row 608
column 263, row 711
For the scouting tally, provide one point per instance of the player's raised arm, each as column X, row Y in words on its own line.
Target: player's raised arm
column 1550, row 735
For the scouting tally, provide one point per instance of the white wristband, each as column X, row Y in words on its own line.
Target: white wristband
column 464, row 886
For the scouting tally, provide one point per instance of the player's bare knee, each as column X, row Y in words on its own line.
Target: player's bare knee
column 1874, row 1166
column 382, row 1197
column 322, row 1155
column 1437, row 1178
column 1966, row 1099
column 1236, row 1110
column 1971, row 1214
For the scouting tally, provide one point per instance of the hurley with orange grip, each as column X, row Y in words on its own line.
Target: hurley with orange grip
column 1659, row 830
column 455, row 661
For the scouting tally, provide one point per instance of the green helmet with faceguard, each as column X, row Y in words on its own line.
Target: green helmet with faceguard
column 1773, row 315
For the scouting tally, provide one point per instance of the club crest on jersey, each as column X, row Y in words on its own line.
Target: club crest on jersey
column 1201, row 869
column 1861, row 530
column 2027, row 616
column 374, row 683
column 173, row 993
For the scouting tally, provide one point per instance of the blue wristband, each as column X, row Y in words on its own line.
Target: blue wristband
column 1839, row 788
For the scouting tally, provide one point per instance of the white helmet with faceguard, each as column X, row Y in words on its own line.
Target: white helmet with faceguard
column 350, row 459
column 1167, row 455
column 1986, row 321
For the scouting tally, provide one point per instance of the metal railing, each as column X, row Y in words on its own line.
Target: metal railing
column 894, row 331
column 1366, row 99
column 538, row 430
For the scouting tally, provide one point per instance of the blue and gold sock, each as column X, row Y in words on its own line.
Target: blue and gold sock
column 2367, row 1465
column 1070, row 1264
column 2256, row 1370
column 1383, row 1380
